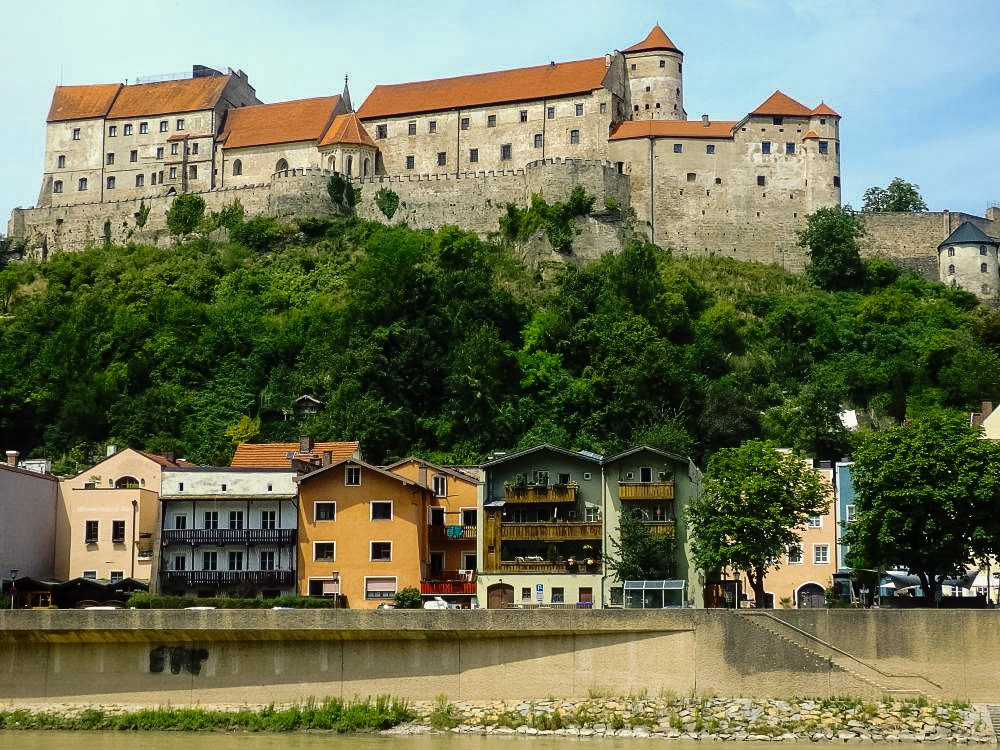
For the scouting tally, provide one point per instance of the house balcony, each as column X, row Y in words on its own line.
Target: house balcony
column 448, row 588
column 662, row 528
column 557, row 531
column 645, row 490
column 221, row 537
column 529, row 565
column 541, row 493
column 194, row 578
column 440, row 531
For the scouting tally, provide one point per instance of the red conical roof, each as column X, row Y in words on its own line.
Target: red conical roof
column 824, row 109
column 656, row 39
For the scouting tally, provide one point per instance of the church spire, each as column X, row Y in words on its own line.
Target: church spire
column 346, row 96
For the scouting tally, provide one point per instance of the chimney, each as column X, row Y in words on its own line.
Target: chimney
column 327, row 458
column 305, row 444
column 12, row 458
column 704, row 120
column 112, row 450
column 607, row 61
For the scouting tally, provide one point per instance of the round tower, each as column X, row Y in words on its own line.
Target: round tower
column 968, row 259
column 655, row 69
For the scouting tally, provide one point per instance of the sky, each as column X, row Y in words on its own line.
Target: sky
column 917, row 82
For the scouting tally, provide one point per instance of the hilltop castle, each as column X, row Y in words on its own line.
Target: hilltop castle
column 456, row 151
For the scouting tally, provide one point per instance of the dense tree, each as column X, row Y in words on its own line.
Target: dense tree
column 185, row 214
column 638, row 554
column 898, row 196
column 755, row 502
column 927, row 498
column 831, row 235
column 387, row 201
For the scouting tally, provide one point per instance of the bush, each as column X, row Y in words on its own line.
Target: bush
column 408, row 598
column 260, row 234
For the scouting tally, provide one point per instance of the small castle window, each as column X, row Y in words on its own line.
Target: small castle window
column 790, row 148
column 982, row 249
column 823, row 147
column 409, row 161
column 110, row 159
column 442, row 158
column 61, row 162
column 692, row 176
column 381, row 131
column 143, row 128
column 112, row 131
column 152, row 178
column 550, row 112
column 350, row 165
column 237, row 168
column 836, row 180
column 111, row 183
column 983, row 268
column 505, row 153
column 365, row 166
column 473, row 155
column 663, row 63
column 951, row 269
column 710, row 148
column 180, row 123
column 647, row 106
column 81, row 184
column 491, row 121
column 524, row 115
column 127, row 129
column 633, row 66
column 647, row 88
column 193, row 172
column 140, row 180
column 765, row 147
column 574, row 136
column 822, row 121
column 194, row 148
column 411, row 127
column 432, row 126
column 539, row 140
column 678, row 147
column 133, row 155
column 677, row 92
column 777, row 120
column 164, row 125
column 657, row 105
column 761, row 180
column 718, row 180
column 173, row 173
column 174, row 149
column 680, row 67
column 76, row 134
column 951, row 252
column 636, row 107
column 464, row 123
column 57, row 186
column 281, row 166
column 579, row 110
column 604, row 107
column 159, row 152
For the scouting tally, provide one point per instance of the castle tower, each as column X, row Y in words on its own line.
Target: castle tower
column 655, row 68
column 968, row 259
column 821, row 144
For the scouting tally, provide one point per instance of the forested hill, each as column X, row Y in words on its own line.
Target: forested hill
column 444, row 346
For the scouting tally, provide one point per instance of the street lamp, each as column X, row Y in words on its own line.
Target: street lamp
column 13, row 588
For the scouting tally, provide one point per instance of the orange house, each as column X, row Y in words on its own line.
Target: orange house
column 451, row 523
column 362, row 533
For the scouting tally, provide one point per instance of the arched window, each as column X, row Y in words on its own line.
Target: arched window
column 365, row 166
column 350, row 165
column 951, row 252
column 57, row 186
column 237, row 168
column 126, row 482
column 332, row 166
column 81, row 183
column 281, row 166
column 951, row 269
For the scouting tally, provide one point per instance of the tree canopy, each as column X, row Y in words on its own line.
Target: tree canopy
column 832, row 234
column 755, row 502
column 638, row 554
column 927, row 499
column 898, row 196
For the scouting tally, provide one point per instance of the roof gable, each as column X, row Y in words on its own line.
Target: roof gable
column 358, row 462
column 456, row 473
column 781, row 104
column 280, row 455
column 655, row 39
column 969, row 233
column 481, row 89
column 645, row 449
column 82, row 102
column 167, row 97
column 547, row 447
column 283, row 122
column 347, row 129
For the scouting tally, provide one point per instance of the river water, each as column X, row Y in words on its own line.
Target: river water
column 42, row 740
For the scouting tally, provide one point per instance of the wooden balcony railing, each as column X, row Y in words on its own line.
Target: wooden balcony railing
column 229, row 536
column 550, row 531
column 192, row 578
column 443, row 531
column 541, row 493
column 645, row 490
column 441, row 588
column 544, row 566
column 662, row 528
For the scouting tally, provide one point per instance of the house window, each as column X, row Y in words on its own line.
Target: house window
column 440, row 485
column 193, row 172
column 90, row 529
column 173, row 173
column 815, row 522
column 765, row 147
column 109, row 159
column 267, row 560
column 380, row 588
column 127, row 130
column 164, row 126
column 789, row 148
column 473, row 155
column 550, row 113
column 268, row 519
column 591, row 514
column 57, row 186
column 236, row 519
column 983, row 268
column 442, row 158
column 180, row 123
column 579, row 110
column 432, row 126
column 174, row 150
column 850, row 513
column 143, row 128
column 381, row 510
column 381, row 131
column 381, row 551
column 237, row 168
column 180, row 562
column 236, row 560
column 795, row 555
column 211, row 519
column 524, row 115
column 777, row 120
column 505, row 152
column 326, row 511
column 464, row 123
column 491, row 121
column 324, row 551
column 81, row 184
column 112, row 131
column 558, row 595
column 117, row 531
column 61, row 161
column 90, row 575
column 710, row 148
column 210, row 560
column 821, row 554
column 678, row 147
column 159, row 152
column 824, row 147
column 409, row 161
column 76, row 134
column 526, row 593
column 951, row 252
column 181, row 522
column 538, row 140
column 133, row 155
column 352, row 476
column 574, row 136
column 468, row 516
column 411, row 127
column 761, row 181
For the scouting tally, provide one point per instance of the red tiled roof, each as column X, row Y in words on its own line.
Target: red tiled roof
column 810, row 135
column 347, row 129
column 167, row 97
column 275, row 455
column 168, row 462
column 521, row 84
column 782, row 105
column 672, row 129
column 824, row 109
column 655, row 39
column 82, row 102
column 284, row 122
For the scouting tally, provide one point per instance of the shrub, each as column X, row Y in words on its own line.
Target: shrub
column 408, row 598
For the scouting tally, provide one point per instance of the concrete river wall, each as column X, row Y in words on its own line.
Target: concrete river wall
column 189, row 657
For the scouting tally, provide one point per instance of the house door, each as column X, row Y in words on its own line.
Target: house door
column 812, row 596
column 585, row 595
column 499, row 595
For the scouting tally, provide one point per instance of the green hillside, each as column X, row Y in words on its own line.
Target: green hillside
column 439, row 344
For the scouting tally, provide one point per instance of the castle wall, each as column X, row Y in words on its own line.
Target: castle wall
column 258, row 163
column 80, row 143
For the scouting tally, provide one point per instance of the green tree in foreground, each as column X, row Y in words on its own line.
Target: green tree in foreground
column 927, row 497
column 408, row 598
column 387, row 202
column 185, row 214
column 755, row 501
column 831, row 236
column 898, row 196
column 639, row 555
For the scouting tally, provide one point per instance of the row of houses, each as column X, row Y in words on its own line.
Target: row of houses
column 526, row 529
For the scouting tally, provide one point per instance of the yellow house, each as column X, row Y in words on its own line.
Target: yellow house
column 362, row 533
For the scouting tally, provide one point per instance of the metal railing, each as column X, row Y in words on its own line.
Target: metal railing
column 229, row 536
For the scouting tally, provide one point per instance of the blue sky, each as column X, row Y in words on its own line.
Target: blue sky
column 917, row 82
